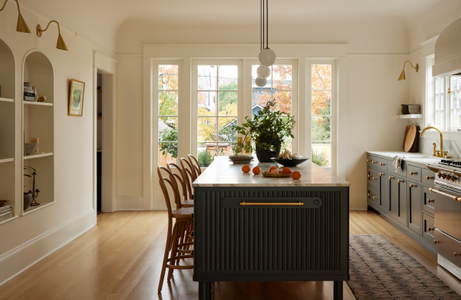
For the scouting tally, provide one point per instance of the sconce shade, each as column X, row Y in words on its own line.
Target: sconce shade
column 60, row 44
column 267, row 57
column 260, row 82
column 22, row 26
column 402, row 75
column 263, row 71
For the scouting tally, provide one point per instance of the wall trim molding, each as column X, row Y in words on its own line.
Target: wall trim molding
column 40, row 252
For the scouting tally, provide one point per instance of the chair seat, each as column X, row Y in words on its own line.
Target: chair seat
column 184, row 212
column 187, row 203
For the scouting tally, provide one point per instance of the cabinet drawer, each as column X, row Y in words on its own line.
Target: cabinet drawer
column 373, row 178
column 414, row 173
column 373, row 196
column 427, row 176
column 428, row 200
column 428, row 227
column 377, row 162
column 448, row 247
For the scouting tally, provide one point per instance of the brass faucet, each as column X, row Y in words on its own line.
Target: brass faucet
column 438, row 153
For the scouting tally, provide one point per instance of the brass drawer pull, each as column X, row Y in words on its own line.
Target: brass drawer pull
column 430, row 200
column 430, row 229
column 368, row 176
column 436, row 242
column 401, row 181
column 374, row 178
column 381, row 164
column 390, row 177
column 412, row 185
column 373, row 162
column 369, row 195
column 374, row 198
column 445, row 194
column 413, row 173
column 456, row 254
column 381, row 174
column 368, row 160
column 429, row 177
column 271, row 203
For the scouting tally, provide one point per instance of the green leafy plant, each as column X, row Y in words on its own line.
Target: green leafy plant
column 267, row 128
column 171, row 148
column 320, row 158
column 205, row 158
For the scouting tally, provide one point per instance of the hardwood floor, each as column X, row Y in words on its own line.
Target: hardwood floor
column 121, row 258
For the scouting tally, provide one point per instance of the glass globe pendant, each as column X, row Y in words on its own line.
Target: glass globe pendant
column 260, row 81
column 267, row 57
column 263, row 71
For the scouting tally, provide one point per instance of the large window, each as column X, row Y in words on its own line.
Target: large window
column 217, row 101
column 167, row 114
column 443, row 100
column 321, row 95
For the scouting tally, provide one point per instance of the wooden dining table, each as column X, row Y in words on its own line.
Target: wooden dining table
column 253, row 228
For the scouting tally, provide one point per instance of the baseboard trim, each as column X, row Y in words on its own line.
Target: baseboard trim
column 24, row 256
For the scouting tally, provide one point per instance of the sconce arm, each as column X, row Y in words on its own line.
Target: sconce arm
column 40, row 30
column 4, row 4
column 414, row 67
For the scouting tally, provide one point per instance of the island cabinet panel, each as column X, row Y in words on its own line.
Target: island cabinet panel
column 271, row 233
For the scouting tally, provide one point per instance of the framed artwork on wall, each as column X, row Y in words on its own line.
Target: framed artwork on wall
column 77, row 91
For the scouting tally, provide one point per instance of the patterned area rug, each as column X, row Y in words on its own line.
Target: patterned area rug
column 380, row 270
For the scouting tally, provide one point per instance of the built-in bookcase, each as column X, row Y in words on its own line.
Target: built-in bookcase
column 7, row 126
column 38, row 122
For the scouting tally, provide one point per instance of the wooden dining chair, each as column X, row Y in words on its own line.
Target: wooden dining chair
column 190, row 172
column 194, row 162
column 179, row 239
column 184, row 180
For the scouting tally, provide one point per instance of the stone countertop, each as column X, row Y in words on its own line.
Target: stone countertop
column 409, row 157
column 223, row 173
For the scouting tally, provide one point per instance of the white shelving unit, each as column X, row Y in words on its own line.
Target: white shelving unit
column 34, row 156
column 6, row 100
column 38, row 103
column 410, row 116
column 5, row 160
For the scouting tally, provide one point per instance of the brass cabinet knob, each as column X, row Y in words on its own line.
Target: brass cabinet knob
column 413, row 173
column 368, row 160
column 430, row 229
column 374, row 198
column 436, row 242
column 430, row 200
column 448, row 177
column 368, row 176
column 369, row 195
column 390, row 177
column 401, row 181
column 444, row 175
column 456, row 254
column 412, row 185
column 429, row 177
column 374, row 178
column 381, row 164
column 373, row 162
column 439, row 174
column 381, row 174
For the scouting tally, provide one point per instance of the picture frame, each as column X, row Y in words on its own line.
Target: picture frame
column 76, row 97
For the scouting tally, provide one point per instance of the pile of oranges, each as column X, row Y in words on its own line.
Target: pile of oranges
column 272, row 170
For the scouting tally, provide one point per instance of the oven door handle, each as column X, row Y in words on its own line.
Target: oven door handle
column 437, row 191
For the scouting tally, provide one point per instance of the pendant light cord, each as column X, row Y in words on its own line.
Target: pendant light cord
column 267, row 24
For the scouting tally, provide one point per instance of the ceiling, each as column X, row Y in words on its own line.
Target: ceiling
column 100, row 20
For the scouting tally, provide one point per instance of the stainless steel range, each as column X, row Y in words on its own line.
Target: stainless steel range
column 447, row 201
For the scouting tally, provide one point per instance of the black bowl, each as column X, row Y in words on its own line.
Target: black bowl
column 289, row 162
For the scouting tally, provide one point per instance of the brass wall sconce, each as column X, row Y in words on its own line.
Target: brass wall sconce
column 60, row 44
column 21, row 26
column 402, row 75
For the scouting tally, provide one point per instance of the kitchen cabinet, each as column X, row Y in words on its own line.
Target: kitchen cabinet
column 402, row 197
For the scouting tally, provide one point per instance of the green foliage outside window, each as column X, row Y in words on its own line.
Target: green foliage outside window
column 320, row 158
column 169, row 148
column 205, row 158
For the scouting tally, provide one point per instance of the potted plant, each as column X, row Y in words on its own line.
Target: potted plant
column 268, row 129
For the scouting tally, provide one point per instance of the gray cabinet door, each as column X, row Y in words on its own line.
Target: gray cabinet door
column 398, row 199
column 414, row 205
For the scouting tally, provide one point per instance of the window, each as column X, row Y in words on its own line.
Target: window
column 167, row 114
column 217, row 102
column 321, row 95
column 444, row 100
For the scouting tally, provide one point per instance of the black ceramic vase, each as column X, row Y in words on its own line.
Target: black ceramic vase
column 264, row 155
column 27, row 200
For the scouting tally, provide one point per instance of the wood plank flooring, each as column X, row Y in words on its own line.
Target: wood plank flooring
column 121, row 257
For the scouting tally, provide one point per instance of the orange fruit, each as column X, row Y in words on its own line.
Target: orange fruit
column 256, row 170
column 286, row 170
column 273, row 168
column 296, row 175
column 246, row 169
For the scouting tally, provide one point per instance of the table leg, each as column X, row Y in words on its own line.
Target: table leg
column 204, row 290
column 337, row 290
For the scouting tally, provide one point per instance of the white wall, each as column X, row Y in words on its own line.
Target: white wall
column 28, row 238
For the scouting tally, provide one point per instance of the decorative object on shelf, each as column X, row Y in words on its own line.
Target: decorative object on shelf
column 30, row 148
column 405, row 110
column 267, row 130
column 27, row 199
column 30, row 93
column 35, row 140
column 42, row 98
column 410, row 141
column 77, row 92
column 21, row 26
column 266, row 55
column 4, row 202
column 34, row 192
column 402, row 75
column 60, row 44
column 413, row 108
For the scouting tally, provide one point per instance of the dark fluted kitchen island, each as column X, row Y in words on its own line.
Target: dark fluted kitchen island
column 252, row 228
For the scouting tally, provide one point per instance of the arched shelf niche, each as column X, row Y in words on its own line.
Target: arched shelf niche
column 38, row 122
column 7, row 129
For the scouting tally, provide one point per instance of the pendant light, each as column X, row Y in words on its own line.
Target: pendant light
column 266, row 56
